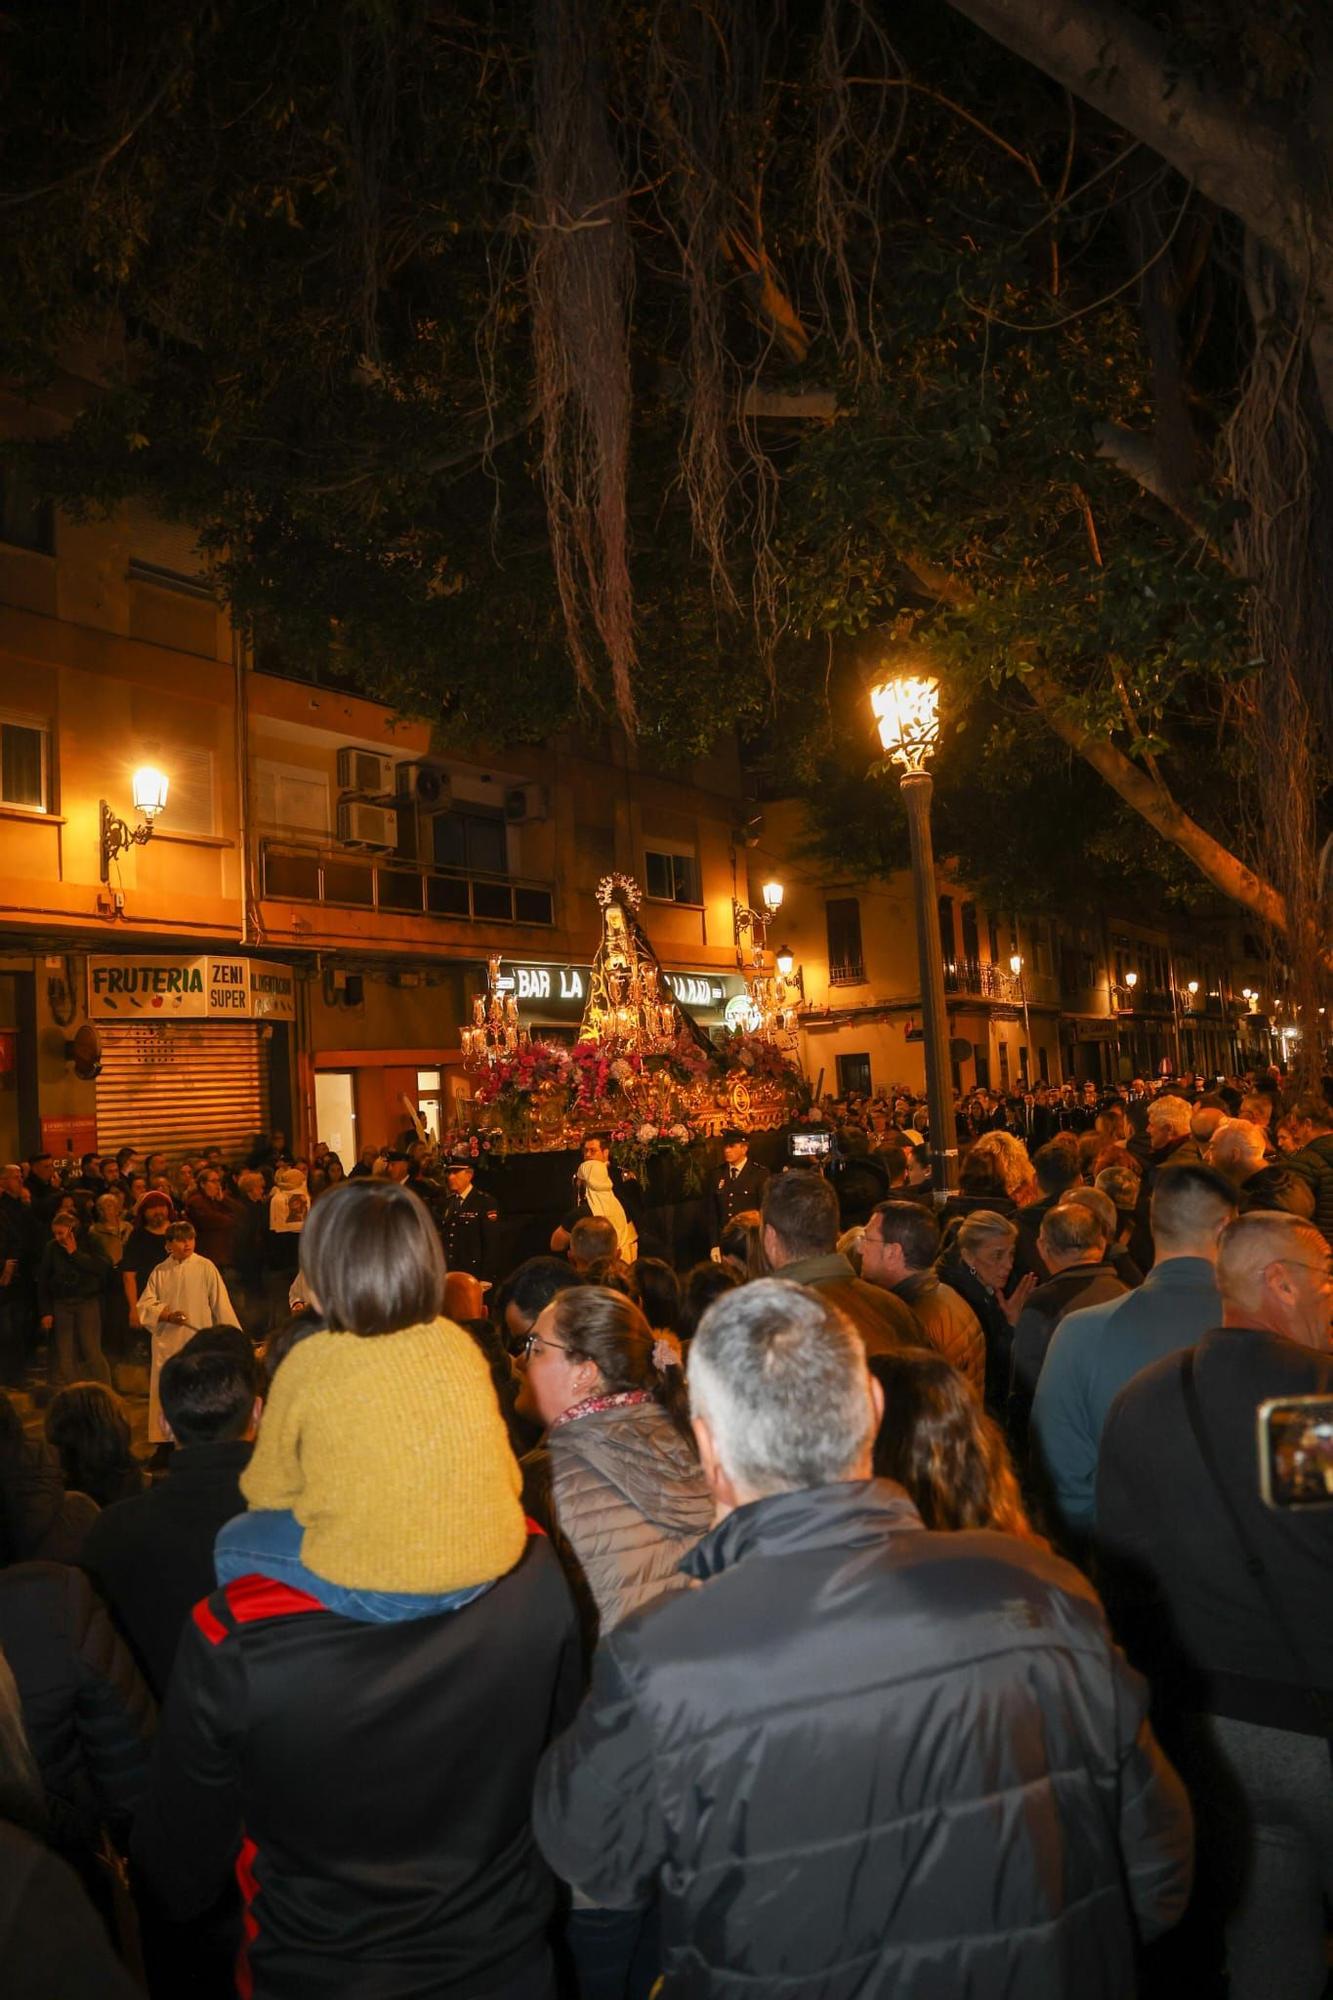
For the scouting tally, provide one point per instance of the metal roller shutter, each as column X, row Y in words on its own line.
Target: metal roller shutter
column 171, row 1087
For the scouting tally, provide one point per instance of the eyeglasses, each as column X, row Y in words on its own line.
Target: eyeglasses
column 1321, row 1271
column 533, row 1341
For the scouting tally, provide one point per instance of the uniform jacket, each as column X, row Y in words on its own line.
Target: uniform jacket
column 625, row 1498
column 949, row 1324
column 732, row 1195
column 371, row 1782
column 88, row 1715
column 469, row 1228
column 864, row 1762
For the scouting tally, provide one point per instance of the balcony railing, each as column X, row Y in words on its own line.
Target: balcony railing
column 988, row 982
column 345, row 879
column 847, row 972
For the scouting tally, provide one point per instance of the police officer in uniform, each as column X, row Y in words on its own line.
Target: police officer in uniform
column 739, row 1186
column 469, row 1223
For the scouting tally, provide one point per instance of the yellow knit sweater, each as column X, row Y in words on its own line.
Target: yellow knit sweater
column 392, row 1454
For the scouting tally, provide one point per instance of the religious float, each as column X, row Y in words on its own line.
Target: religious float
column 640, row 1068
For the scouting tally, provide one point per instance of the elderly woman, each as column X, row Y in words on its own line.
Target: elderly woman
column 978, row 1264
column 617, row 1481
column 1012, row 1162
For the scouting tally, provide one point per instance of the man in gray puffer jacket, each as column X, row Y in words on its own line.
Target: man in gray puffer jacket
column 862, row 1760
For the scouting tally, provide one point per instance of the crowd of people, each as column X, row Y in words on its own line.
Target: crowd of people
column 880, row 1601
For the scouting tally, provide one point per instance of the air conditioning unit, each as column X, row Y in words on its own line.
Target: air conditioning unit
column 367, row 826
column 424, row 784
column 365, row 772
column 526, row 802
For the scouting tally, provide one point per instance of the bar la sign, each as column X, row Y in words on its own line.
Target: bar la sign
column 208, row 986
column 560, row 992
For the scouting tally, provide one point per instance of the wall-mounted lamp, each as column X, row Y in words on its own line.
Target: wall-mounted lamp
column 753, row 924
column 785, row 961
column 149, row 792
column 1192, row 988
column 1131, row 980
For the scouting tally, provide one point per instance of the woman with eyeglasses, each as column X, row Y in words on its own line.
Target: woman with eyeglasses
column 617, row 1483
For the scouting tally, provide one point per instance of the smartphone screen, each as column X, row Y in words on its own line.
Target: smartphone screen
column 1296, row 1452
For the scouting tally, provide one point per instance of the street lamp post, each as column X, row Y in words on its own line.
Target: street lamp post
column 1016, row 967
column 907, row 713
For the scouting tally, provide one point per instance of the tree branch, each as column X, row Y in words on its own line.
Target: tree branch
column 1118, row 64
column 1135, row 456
column 1146, row 795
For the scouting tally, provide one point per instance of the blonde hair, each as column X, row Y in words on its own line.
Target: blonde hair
column 1011, row 1160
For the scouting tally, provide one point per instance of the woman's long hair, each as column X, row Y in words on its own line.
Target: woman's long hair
column 593, row 1323
column 937, row 1441
column 87, row 1428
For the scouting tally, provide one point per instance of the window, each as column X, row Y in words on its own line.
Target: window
column 25, row 521
column 166, row 553
column 1004, row 1065
column 853, row 1076
column 429, row 1094
column 290, row 798
column 672, row 877
column 993, row 938
column 845, row 964
column 981, row 1063
column 189, row 807
column 947, row 945
column 23, row 765
column 971, row 941
column 1044, row 1065
column 473, row 841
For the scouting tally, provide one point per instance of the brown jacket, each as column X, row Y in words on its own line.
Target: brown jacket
column 950, row 1325
column 885, row 1323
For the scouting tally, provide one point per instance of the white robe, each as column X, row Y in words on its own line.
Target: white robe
column 194, row 1287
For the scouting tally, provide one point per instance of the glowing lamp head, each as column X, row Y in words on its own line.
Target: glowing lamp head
column 906, row 708
column 149, row 791
column 1131, row 980
column 784, row 961
column 1192, row 988
column 772, row 893
column 1015, row 962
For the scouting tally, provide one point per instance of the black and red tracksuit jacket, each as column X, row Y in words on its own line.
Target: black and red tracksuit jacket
column 371, row 1784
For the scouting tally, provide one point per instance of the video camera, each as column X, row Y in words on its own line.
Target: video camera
column 1296, row 1452
column 811, row 1149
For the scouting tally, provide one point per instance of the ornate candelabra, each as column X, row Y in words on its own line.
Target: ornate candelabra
column 495, row 1033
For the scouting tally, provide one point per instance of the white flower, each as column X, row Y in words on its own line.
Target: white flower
column 645, row 1135
column 621, row 1068
column 680, row 1133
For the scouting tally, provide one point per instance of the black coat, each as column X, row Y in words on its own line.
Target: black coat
column 1314, row 1164
column 152, row 1557
column 88, row 1715
column 1190, row 1612
column 731, row 1195
column 469, row 1227
column 1077, row 1286
column 995, row 1326
column 835, row 1761
column 381, row 1775
column 53, row 1946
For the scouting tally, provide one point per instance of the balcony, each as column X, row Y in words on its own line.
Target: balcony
column 343, row 879
column 847, row 972
column 977, row 977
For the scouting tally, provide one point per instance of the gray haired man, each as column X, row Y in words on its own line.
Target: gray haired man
column 860, row 1760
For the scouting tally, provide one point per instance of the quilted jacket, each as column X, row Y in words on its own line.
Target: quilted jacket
column 88, row 1715
column 624, row 1499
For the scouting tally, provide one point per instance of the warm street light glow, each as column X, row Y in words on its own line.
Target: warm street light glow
column 1192, row 988
column 772, row 893
column 785, row 961
column 906, row 708
column 149, row 791
column 1016, row 963
column 1131, row 980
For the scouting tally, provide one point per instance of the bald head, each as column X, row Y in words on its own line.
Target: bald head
column 1273, row 1274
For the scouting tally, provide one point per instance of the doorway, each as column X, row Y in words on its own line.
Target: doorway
column 335, row 1113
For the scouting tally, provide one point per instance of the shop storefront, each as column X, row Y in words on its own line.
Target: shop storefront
column 194, row 1049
